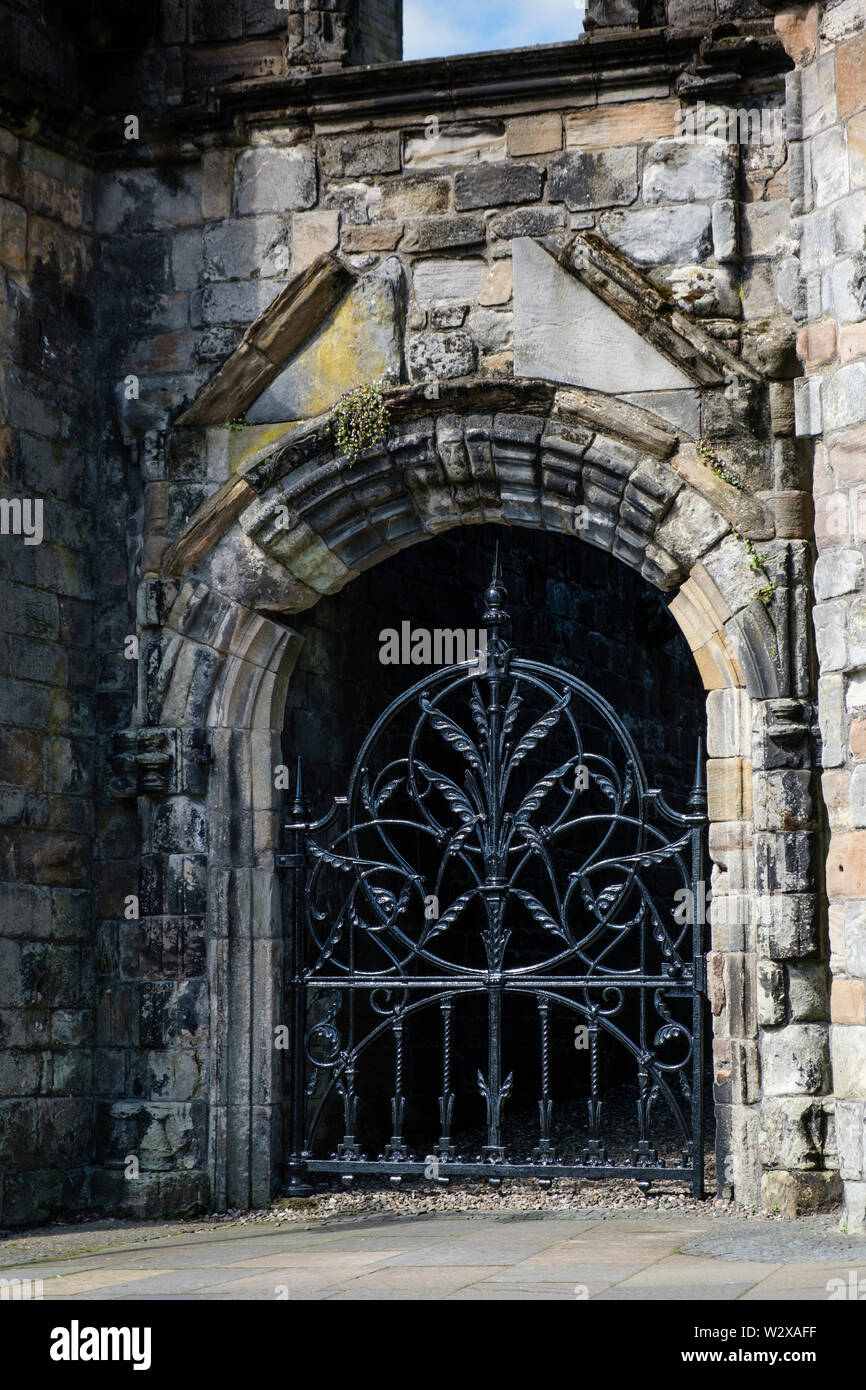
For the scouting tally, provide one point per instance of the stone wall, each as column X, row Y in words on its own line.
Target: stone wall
column 824, row 282
column 49, row 438
column 448, row 211
column 288, row 229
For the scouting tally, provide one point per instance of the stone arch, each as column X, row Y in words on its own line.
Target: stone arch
column 301, row 521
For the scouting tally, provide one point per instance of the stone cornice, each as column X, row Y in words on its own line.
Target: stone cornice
column 724, row 63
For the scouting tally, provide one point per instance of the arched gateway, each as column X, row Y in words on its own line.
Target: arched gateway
column 298, row 520
column 613, row 291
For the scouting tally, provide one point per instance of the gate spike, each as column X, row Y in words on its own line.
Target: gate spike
column 697, row 802
column 494, row 615
column 299, row 806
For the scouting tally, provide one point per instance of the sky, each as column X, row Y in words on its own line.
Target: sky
column 437, row 28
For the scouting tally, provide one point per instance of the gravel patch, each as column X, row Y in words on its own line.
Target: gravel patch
column 804, row 1241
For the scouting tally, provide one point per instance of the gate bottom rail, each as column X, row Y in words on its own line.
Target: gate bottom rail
column 457, row 1169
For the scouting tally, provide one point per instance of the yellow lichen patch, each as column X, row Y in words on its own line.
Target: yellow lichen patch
column 356, row 344
column 348, row 354
column 249, row 440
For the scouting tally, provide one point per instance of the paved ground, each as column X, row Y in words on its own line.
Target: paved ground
column 622, row 1256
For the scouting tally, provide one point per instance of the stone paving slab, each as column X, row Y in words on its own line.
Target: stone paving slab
column 610, row 1256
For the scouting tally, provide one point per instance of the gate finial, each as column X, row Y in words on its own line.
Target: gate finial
column 299, row 805
column 495, row 616
column 697, row 802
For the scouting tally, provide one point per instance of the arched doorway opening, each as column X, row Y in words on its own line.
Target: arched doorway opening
column 588, row 616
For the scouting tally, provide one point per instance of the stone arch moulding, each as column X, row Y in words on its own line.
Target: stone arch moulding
column 298, row 521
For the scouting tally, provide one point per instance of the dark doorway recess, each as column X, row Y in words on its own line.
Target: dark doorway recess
column 580, row 613
column 571, row 605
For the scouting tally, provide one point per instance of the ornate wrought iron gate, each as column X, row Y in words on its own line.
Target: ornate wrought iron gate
column 509, row 907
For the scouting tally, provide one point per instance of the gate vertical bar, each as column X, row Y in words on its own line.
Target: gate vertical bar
column 697, row 806
column 297, row 1169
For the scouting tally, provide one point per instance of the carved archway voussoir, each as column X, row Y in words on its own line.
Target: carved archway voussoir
column 700, row 611
column 210, row 636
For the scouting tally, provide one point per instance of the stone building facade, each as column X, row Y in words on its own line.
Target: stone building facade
column 615, row 289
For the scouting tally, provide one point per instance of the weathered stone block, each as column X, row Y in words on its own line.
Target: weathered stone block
column 846, row 865
column 448, row 279
column 623, row 123
column 843, row 290
column 686, row 171
column 217, row 171
column 855, row 938
column 783, row 800
column 725, row 230
column 791, row 1133
column 831, row 717
column 142, row 199
column 808, row 993
column 800, row 1193
column 851, row 1138
column 594, row 178
column 499, row 285
column 464, row 144
column 313, row 234
column 691, row 527
column 238, row 301
column 848, row 1001
column 848, row 1043
column 164, row 1135
column 483, row 185
column 829, row 619
column 765, row 229
column 729, row 724
column 440, row 233
column 492, row 329
column 830, row 165
column 795, row 1060
column 413, row 195
column 729, row 789
column 360, row 155
column 771, row 1000
column 675, row 235
column 381, row 236
column 530, row 222
column 246, row 248
column 275, row 179
column 787, row 925
column 534, row 134
column 433, row 356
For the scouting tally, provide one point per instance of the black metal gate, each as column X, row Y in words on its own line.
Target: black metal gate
column 509, row 912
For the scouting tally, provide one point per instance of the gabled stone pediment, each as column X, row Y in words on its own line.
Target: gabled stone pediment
column 583, row 316
column 359, row 340
column 271, row 340
column 329, row 330
column 564, row 332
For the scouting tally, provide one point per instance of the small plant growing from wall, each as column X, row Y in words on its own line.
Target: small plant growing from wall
column 710, row 458
column 756, row 564
column 361, row 418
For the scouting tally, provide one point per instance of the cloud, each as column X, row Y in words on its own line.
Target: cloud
column 433, row 29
